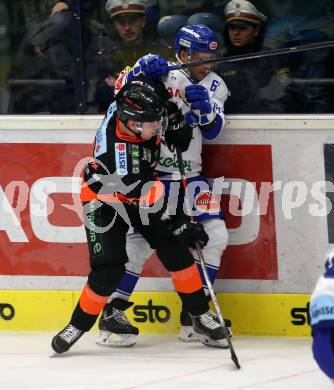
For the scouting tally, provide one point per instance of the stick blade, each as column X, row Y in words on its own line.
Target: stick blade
column 235, row 360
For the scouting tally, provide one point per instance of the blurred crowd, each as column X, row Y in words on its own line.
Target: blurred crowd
column 62, row 57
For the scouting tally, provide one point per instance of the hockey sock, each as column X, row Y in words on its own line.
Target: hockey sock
column 88, row 309
column 188, row 284
column 126, row 286
column 212, row 273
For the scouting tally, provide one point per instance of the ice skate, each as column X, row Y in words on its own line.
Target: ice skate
column 64, row 340
column 212, row 343
column 210, row 330
column 115, row 328
column 187, row 332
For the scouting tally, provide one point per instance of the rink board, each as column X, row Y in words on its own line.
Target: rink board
column 276, row 243
column 158, row 312
column 276, row 246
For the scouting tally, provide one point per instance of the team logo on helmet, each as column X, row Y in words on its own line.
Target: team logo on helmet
column 213, row 45
column 185, row 43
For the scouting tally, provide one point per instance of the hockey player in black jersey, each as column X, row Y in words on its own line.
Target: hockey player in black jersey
column 120, row 190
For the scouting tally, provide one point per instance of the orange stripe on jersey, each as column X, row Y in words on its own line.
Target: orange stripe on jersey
column 86, row 194
column 90, row 302
column 187, row 280
column 156, row 192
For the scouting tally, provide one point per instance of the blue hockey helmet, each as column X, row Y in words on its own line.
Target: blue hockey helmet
column 196, row 37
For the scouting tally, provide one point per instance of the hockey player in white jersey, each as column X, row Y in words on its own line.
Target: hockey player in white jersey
column 200, row 94
column 322, row 319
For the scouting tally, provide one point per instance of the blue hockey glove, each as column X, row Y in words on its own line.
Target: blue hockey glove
column 154, row 66
column 198, row 98
column 200, row 103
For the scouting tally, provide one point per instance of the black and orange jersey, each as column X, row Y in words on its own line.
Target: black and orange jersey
column 122, row 166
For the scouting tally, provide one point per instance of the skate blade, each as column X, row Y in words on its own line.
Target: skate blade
column 208, row 341
column 113, row 340
column 188, row 335
column 189, row 339
column 54, row 354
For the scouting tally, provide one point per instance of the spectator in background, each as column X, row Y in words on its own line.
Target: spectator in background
column 42, row 77
column 296, row 23
column 46, row 60
column 39, row 75
column 278, row 84
column 322, row 319
column 130, row 41
column 244, row 33
column 128, row 19
column 245, row 28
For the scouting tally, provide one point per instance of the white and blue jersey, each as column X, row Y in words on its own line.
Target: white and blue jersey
column 167, row 167
column 322, row 299
column 175, row 83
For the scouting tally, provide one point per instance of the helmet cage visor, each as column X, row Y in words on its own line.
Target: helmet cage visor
column 157, row 127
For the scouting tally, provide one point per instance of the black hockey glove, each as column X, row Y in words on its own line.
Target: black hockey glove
column 189, row 233
column 178, row 133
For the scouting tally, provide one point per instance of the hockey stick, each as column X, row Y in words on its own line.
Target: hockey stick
column 252, row 56
column 201, row 258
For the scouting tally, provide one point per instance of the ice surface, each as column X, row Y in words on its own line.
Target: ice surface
column 158, row 362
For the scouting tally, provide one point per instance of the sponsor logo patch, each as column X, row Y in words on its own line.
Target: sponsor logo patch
column 135, row 151
column 185, row 43
column 206, row 201
column 121, row 158
column 213, row 45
